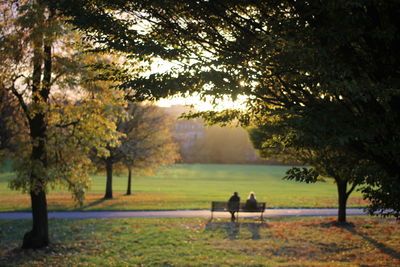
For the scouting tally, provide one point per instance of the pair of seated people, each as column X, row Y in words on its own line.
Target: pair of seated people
column 233, row 203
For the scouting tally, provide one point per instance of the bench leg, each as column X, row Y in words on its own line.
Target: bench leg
column 262, row 216
column 211, row 216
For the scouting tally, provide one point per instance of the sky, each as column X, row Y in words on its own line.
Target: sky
column 202, row 105
column 159, row 66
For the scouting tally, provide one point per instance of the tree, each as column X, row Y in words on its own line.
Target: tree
column 329, row 69
column 145, row 143
column 332, row 68
column 57, row 133
column 154, row 146
column 277, row 141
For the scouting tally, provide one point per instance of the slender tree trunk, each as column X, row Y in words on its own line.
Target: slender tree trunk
column 128, row 190
column 39, row 235
column 342, row 193
column 109, row 169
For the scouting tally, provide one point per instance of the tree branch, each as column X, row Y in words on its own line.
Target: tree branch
column 353, row 186
column 68, row 124
column 20, row 98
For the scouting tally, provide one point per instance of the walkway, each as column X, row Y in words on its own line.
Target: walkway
column 178, row 213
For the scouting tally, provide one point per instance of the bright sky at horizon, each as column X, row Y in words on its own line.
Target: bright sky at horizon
column 200, row 105
column 159, row 66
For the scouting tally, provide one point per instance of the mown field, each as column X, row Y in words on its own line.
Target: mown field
column 190, row 186
column 196, row 242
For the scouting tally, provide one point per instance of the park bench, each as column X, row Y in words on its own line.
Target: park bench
column 223, row 206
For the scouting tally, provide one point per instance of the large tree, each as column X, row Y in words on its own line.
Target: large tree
column 331, row 67
column 330, row 70
column 274, row 140
column 46, row 73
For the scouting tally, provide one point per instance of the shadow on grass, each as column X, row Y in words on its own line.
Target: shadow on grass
column 352, row 229
column 233, row 228
column 94, row 203
column 382, row 247
column 19, row 256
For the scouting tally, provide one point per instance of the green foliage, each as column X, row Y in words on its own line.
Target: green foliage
column 307, row 175
column 328, row 70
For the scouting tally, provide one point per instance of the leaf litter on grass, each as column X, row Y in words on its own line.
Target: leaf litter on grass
column 196, row 242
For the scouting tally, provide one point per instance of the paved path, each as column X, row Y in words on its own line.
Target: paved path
column 178, row 213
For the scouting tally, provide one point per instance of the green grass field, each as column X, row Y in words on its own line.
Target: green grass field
column 317, row 241
column 197, row 242
column 189, row 186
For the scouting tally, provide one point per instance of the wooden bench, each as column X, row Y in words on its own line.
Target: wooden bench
column 223, row 206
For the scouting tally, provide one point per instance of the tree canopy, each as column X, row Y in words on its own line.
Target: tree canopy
column 274, row 139
column 145, row 142
column 61, row 109
column 329, row 69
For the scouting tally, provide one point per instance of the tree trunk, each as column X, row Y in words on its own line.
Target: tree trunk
column 128, row 190
column 109, row 169
column 342, row 194
column 39, row 235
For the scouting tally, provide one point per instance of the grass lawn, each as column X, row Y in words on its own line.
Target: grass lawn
column 189, row 186
column 197, row 242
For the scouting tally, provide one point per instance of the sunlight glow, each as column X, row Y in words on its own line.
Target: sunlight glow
column 201, row 105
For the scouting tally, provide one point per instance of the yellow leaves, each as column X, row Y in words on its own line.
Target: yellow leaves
column 27, row 169
column 74, row 129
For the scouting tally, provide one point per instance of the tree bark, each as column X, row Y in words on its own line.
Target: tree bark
column 39, row 235
column 342, row 193
column 109, row 170
column 128, row 190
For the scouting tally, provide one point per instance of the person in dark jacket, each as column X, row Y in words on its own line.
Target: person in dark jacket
column 233, row 205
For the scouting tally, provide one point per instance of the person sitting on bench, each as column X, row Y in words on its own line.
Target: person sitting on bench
column 233, row 205
column 251, row 202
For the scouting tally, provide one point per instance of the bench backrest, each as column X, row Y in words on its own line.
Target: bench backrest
column 259, row 207
column 223, row 206
column 219, row 205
